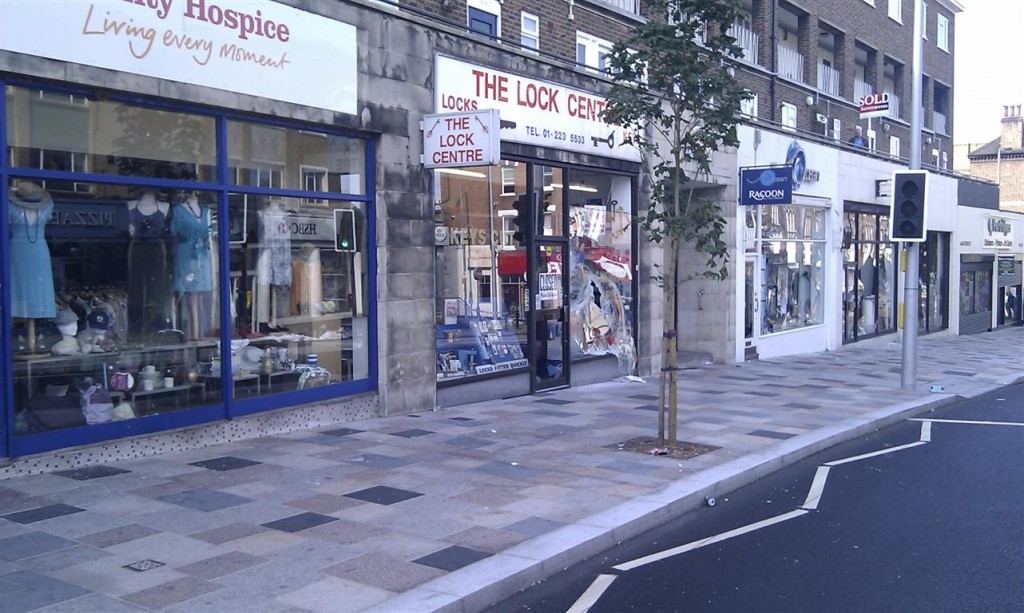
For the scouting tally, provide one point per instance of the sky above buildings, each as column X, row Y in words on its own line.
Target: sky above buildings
column 989, row 56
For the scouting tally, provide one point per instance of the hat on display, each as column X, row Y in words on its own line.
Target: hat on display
column 99, row 320
column 30, row 196
column 66, row 316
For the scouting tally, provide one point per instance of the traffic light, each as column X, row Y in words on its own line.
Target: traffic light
column 907, row 217
column 522, row 219
column 345, row 230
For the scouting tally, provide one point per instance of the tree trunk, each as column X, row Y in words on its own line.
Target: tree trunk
column 671, row 335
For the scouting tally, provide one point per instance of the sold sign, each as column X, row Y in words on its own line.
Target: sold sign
column 468, row 138
column 874, row 105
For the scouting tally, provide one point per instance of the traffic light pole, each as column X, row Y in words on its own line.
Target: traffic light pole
column 911, row 289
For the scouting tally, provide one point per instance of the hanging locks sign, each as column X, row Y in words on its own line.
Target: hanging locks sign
column 467, row 138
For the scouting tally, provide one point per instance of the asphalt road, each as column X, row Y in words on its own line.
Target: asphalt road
column 937, row 525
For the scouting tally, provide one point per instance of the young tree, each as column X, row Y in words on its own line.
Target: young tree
column 673, row 92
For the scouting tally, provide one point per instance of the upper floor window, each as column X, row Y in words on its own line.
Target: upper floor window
column 789, row 116
column 508, row 180
column 942, row 33
column 894, row 146
column 530, row 30
column 896, row 10
column 748, row 107
column 482, row 17
column 924, row 20
column 592, row 52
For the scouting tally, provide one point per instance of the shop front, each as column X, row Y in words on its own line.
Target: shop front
column 786, row 203
column 869, row 273
column 535, row 254
column 1009, row 296
column 990, row 270
column 167, row 264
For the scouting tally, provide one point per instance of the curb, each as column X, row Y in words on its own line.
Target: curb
column 488, row 581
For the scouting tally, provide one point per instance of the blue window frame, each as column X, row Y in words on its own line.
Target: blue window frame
column 216, row 176
column 483, row 22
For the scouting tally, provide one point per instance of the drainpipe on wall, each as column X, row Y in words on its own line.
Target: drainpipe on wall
column 775, row 61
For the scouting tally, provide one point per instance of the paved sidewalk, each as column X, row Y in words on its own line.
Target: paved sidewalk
column 448, row 510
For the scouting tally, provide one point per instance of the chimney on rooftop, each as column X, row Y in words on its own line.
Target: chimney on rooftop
column 1012, row 134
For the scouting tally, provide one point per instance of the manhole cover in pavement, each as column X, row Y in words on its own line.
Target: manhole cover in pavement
column 144, row 565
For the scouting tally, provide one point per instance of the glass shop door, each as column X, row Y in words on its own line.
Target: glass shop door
column 550, row 316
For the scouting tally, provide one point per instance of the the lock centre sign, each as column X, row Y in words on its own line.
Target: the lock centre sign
column 469, row 138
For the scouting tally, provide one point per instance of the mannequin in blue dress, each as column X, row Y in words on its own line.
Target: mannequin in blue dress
column 32, row 295
column 190, row 226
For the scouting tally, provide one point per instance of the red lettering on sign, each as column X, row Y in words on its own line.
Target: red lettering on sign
column 491, row 86
column 457, row 103
column 585, row 107
column 537, row 97
column 459, row 156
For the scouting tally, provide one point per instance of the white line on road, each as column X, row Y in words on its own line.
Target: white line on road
column 817, row 488
column 590, row 597
column 926, row 431
column 668, row 553
column 969, row 422
column 874, row 453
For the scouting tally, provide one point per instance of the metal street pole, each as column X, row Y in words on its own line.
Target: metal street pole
column 911, row 291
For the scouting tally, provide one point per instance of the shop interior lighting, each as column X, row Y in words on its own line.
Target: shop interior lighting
column 462, row 173
column 573, row 188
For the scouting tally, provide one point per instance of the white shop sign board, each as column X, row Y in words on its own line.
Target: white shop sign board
column 260, row 48
column 461, row 139
column 533, row 112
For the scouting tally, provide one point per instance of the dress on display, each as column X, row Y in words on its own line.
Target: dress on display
column 32, row 294
column 275, row 260
column 192, row 249
column 306, row 293
column 147, row 271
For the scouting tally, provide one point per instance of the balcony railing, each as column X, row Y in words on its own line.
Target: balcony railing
column 630, row 6
column 791, row 64
column 747, row 39
column 894, row 106
column 939, row 123
column 861, row 89
column 828, row 79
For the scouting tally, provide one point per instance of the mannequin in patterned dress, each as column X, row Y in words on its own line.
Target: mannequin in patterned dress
column 190, row 226
column 274, row 266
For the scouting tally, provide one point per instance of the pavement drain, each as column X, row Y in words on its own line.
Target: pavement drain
column 143, row 565
column 91, row 472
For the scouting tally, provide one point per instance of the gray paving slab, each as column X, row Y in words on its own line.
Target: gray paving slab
column 495, row 494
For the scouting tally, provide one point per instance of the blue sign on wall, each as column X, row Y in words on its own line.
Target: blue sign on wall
column 766, row 185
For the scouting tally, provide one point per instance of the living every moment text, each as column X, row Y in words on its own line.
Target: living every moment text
column 246, row 26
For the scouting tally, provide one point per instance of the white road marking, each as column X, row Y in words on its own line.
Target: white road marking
column 668, row 553
column 970, row 422
column 593, row 593
column 817, row 489
column 601, row 584
column 873, row 454
column 926, row 431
